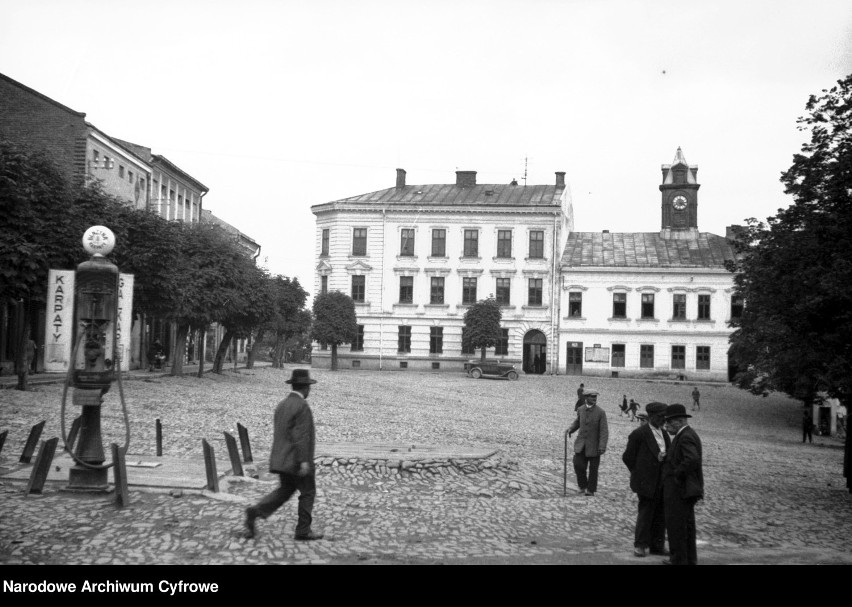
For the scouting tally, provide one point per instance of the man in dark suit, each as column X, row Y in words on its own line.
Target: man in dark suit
column 292, row 457
column 643, row 456
column 683, row 485
column 592, row 437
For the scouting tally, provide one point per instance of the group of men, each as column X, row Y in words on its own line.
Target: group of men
column 665, row 463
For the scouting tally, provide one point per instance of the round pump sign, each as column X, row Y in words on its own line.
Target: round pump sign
column 98, row 240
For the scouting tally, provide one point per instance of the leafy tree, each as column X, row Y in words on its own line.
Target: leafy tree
column 794, row 272
column 482, row 324
column 335, row 321
column 289, row 316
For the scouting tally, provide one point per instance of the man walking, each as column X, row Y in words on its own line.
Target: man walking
column 643, row 456
column 592, row 436
column 292, row 457
column 696, row 396
column 683, row 485
column 808, row 426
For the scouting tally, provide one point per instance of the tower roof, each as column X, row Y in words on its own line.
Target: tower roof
column 679, row 160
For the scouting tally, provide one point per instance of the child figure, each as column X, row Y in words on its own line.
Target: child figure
column 634, row 406
column 623, row 406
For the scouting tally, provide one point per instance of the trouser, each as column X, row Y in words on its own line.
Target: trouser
column 581, row 463
column 651, row 523
column 808, row 434
column 680, row 525
column 306, row 485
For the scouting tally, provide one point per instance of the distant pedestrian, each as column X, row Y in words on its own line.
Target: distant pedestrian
column 581, row 390
column 634, row 407
column 30, row 353
column 808, row 426
column 683, row 486
column 696, row 396
column 623, row 406
column 841, row 420
column 292, row 457
column 643, row 456
column 581, row 397
column 592, row 437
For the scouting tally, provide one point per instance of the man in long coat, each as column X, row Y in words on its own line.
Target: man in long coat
column 683, row 486
column 643, row 456
column 592, row 437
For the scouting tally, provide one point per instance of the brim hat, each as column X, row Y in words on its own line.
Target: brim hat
column 676, row 410
column 642, row 415
column 300, row 377
column 589, row 393
column 655, row 407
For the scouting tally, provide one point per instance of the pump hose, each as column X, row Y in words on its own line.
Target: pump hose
column 68, row 377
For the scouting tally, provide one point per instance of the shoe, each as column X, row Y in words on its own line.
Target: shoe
column 660, row 552
column 589, row 493
column 666, row 562
column 250, row 531
column 638, row 551
column 309, row 536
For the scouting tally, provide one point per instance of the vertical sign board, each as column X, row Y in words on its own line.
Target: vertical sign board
column 59, row 320
column 124, row 324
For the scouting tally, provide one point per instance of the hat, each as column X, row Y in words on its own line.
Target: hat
column 676, row 410
column 655, row 407
column 642, row 415
column 300, row 377
column 589, row 393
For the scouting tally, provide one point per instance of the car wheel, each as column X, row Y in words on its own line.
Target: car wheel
column 476, row 373
column 512, row 375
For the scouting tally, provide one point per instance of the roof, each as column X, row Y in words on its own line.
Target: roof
column 452, row 194
column 645, row 250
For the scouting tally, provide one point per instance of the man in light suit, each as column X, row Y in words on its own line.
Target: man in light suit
column 683, row 485
column 592, row 437
column 643, row 456
column 292, row 457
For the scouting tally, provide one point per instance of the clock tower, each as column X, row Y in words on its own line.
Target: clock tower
column 679, row 196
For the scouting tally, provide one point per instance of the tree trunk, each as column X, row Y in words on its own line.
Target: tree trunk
column 334, row 357
column 278, row 354
column 482, row 358
column 180, row 350
column 22, row 337
column 201, row 345
column 254, row 346
column 220, row 352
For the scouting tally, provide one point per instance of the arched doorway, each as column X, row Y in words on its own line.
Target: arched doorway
column 535, row 352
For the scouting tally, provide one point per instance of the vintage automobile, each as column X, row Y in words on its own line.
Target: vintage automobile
column 490, row 368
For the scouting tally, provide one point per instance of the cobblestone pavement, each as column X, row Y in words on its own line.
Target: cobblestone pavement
column 769, row 498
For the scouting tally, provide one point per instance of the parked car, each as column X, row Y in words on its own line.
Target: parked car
column 490, row 368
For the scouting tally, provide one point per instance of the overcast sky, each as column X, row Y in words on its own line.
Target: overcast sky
column 278, row 105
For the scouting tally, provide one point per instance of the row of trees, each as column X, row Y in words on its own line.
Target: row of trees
column 190, row 274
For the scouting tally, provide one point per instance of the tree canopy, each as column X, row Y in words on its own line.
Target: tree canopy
column 335, row 321
column 482, row 324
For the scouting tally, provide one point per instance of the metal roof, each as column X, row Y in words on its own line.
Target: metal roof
column 452, row 194
column 645, row 250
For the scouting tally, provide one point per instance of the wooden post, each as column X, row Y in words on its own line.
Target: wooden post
column 3, row 439
column 32, row 441
column 42, row 465
column 234, row 454
column 72, row 434
column 244, row 443
column 122, row 494
column 159, row 438
column 210, row 467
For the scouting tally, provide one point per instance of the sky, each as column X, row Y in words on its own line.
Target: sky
column 278, row 105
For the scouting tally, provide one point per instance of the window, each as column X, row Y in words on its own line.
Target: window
column 358, row 342
column 703, row 307
column 404, row 339
column 619, row 305
column 618, row 355
column 359, row 241
column 504, row 243
column 406, row 289
column 121, row 171
column 358, row 283
column 130, row 176
column 702, row 357
column 466, row 345
column 646, row 356
column 537, row 244
column 323, row 284
column 504, row 291
column 736, row 306
column 679, row 306
column 95, row 156
column 471, row 243
column 535, row 291
column 501, row 348
column 141, row 184
column 647, row 305
column 575, row 304
column 324, row 250
column 436, row 340
column 678, row 357
column 436, row 292
column 406, row 246
column 436, row 365
column 468, row 290
column 439, row 243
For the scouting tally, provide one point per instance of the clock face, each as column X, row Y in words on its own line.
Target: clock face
column 679, row 202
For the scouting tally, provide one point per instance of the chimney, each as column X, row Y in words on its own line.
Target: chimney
column 560, row 178
column 465, row 179
column 400, row 178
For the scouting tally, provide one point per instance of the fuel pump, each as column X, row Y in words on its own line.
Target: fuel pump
column 95, row 363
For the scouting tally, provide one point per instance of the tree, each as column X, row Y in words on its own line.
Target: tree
column 482, row 324
column 289, row 317
column 794, row 271
column 335, row 321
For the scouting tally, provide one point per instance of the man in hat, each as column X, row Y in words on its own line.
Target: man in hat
column 643, row 456
column 292, row 457
column 683, row 485
column 592, row 437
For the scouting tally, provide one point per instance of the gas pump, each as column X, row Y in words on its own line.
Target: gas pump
column 94, row 360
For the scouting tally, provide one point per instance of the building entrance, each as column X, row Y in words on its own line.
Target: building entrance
column 535, row 352
column 574, row 358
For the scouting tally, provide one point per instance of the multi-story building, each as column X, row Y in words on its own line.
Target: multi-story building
column 415, row 257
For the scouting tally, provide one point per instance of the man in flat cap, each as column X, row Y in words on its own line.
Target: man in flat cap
column 292, row 457
column 592, row 437
column 646, row 449
column 683, row 485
